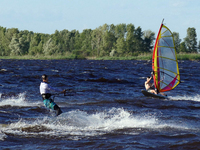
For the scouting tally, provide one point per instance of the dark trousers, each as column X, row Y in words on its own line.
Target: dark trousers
column 56, row 107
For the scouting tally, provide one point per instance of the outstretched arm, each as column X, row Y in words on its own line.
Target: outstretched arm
column 148, row 80
column 53, row 89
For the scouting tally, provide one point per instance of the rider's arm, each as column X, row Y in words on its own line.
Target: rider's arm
column 53, row 89
column 148, row 80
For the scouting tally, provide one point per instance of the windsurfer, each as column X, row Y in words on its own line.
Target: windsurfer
column 45, row 91
column 149, row 86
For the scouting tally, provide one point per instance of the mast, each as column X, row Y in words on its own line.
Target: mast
column 162, row 20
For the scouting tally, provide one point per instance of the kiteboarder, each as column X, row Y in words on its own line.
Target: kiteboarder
column 45, row 91
column 149, row 86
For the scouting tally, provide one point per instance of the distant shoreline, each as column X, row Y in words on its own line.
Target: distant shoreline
column 182, row 56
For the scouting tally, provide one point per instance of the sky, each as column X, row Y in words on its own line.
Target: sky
column 47, row 16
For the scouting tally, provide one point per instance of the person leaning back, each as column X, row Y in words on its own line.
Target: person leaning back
column 45, row 91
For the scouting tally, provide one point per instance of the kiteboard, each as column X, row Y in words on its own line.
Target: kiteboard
column 148, row 94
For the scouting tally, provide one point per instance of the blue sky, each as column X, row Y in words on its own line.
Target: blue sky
column 46, row 16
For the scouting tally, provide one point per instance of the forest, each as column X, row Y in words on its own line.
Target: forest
column 108, row 40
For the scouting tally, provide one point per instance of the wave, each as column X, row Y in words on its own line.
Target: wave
column 186, row 97
column 102, row 79
column 17, row 100
column 2, row 135
column 77, row 124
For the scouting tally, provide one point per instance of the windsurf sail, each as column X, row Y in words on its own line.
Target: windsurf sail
column 164, row 61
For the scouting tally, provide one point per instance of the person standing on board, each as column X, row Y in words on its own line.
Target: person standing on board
column 45, row 91
column 149, row 86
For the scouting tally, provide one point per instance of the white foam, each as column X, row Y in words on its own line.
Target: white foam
column 19, row 100
column 186, row 97
column 2, row 136
column 80, row 123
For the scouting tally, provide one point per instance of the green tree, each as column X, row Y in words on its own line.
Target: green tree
column 130, row 38
column 2, row 41
column 5, row 39
column 24, row 45
column 191, row 40
column 198, row 49
column 35, row 40
column 72, row 41
column 67, row 41
column 96, row 41
column 2, row 52
column 50, row 47
column 63, row 38
column 15, row 46
column 138, row 41
column 120, row 46
column 183, row 48
column 177, row 41
column 120, row 30
column 77, row 42
column 108, row 39
column 149, row 38
column 11, row 32
column 113, row 40
column 85, row 39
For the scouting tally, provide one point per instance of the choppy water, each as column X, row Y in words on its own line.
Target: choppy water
column 106, row 111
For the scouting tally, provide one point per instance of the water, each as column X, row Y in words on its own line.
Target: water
column 106, row 110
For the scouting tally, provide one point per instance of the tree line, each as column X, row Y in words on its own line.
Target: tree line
column 107, row 40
